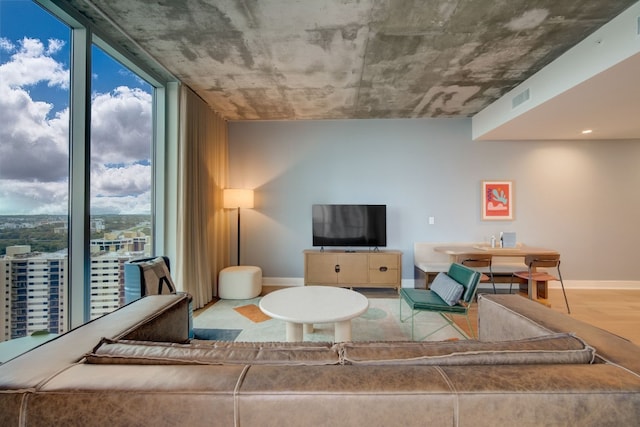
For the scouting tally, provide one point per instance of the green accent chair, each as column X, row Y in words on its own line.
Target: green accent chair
column 421, row 300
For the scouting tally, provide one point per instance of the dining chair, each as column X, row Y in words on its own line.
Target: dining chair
column 545, row 261
column 480, row 263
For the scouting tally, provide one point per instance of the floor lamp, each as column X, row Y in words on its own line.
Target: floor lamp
column 236, row 198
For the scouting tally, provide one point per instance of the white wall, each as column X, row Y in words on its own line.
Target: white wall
column 578, row 197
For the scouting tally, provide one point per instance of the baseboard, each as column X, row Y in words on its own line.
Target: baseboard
column 580, row 284
column 409, row 283
column 282, row 281
column 597, row 284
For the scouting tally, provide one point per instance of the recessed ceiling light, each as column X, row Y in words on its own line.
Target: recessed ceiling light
column 587, row 131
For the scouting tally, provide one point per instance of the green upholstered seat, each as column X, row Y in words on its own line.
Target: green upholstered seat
column 425, row 300
column 419, row 299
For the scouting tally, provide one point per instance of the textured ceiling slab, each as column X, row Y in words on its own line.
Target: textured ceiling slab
column 339, row 59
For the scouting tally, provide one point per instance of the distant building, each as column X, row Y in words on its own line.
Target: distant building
column 34, row 287
column 128, row 242
column 18, row 250
column 34, row 290
column 97, row 225
column 107, row 283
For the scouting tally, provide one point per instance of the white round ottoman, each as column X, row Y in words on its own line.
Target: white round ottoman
column 240, row 282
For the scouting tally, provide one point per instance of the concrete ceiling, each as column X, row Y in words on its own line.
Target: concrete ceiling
column 346, row 59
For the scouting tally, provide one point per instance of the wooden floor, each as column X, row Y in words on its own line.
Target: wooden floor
column 617, row 311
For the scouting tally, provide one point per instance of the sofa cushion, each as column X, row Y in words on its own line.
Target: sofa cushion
column 447, row 288
column 212, row 353
column 551, row 349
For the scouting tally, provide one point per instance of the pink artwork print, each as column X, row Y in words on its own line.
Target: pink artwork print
column 497, row 203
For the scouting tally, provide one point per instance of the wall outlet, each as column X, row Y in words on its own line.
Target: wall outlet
column 432, row 220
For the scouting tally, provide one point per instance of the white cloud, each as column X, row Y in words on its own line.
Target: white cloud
column 28, row 197
column 121, row 126
column 34, row 157
column 120, row 181
column 32, row 64
column 6, row 45
column 55, row 46
column 139, row 204
column 33, row 146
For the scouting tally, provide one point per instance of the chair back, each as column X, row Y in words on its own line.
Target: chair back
column 475, row 260
column 155, row 276
column 546, row 260
column 466, row 277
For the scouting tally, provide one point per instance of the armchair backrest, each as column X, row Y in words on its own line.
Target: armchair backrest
column 155, row 276
column 466, row 277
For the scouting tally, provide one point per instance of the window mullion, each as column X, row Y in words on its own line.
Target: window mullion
column 79, row 159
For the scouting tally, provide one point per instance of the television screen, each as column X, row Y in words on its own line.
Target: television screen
column 349, row 225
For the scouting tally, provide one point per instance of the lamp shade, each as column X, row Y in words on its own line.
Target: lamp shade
column 237, row 198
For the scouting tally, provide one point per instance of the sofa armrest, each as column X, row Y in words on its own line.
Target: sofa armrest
column 31, row 368
column 509, row 317
column 169, row 324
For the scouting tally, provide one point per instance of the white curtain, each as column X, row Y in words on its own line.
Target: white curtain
column 203, row 231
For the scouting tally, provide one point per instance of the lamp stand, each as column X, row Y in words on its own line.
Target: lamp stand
column 238, row 247
column 237, row 198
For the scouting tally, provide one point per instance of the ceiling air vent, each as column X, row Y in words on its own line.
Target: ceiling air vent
column 520, row 98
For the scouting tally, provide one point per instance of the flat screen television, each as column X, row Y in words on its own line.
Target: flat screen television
column 349, row 225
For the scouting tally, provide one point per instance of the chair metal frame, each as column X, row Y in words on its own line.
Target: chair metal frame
column 544, row 261
column 479, row 261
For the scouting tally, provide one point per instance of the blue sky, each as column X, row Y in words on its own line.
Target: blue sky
column 41, row 25
column 23, row 18
column 34, row 101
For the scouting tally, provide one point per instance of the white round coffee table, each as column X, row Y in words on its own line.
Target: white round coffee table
column 306, row 305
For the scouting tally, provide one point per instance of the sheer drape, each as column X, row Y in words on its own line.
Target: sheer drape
column 203, row 232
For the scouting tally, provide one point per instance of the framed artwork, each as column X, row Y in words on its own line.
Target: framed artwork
column 497, row 200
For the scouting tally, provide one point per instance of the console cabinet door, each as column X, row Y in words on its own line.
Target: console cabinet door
column 353, row 268
column 321, row 269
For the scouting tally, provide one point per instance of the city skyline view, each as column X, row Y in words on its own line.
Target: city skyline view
column 34, row 121
column 36, row 244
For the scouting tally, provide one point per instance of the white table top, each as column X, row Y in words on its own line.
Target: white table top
column 314, row 304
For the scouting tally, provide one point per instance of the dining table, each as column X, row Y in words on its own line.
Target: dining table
column 519, row 250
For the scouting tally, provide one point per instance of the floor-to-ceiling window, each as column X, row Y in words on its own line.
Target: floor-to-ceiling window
column 120, row 173
column 77, row 152
column 34, row 169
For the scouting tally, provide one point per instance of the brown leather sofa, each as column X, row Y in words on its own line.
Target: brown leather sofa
column 531, row 366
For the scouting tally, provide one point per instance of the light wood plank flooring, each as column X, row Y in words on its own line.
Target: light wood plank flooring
column 617, row 311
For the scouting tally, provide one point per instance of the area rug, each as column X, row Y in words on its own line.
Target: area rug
column 252, row 312
column 216, row 334
column 381, row 322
